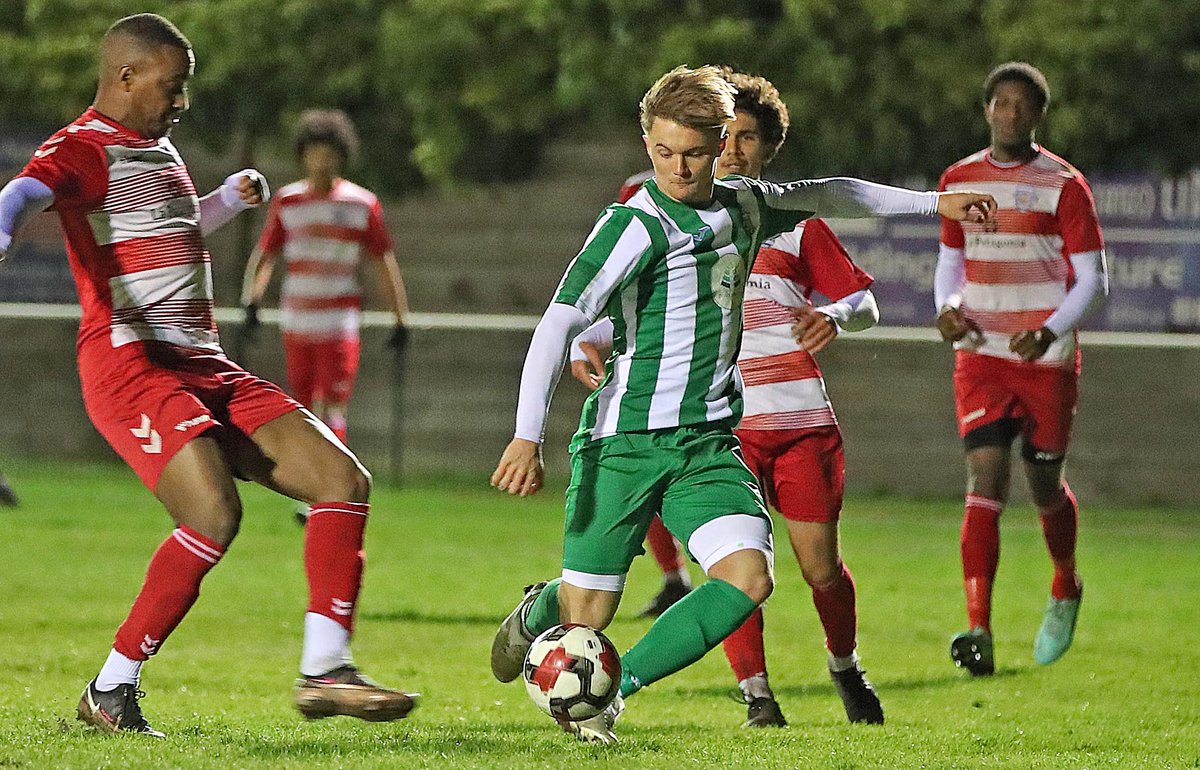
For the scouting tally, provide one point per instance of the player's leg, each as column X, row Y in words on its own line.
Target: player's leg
column 809, row 484
column 341, row 367
column 669, row 556
column 295, row 454
column 164, row 433
column 1052, row 408
column 744, row 648
column 300, row 361
column 987, row 426
column 712, row 503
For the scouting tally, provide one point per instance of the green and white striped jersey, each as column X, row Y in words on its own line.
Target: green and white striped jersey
column 672, row 277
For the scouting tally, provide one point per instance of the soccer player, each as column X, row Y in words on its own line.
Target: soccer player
column 789, row 433
column 1010, row 296
column 158, row 387
column 669, row 268
column 325, row 227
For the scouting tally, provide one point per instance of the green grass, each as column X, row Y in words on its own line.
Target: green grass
column 445, row 563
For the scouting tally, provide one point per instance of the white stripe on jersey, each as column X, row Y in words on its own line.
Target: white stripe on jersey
column 318, row 249
column 335, row 322
column 349, row 214
column 1006, row 298
column 307, row 286
column 792, row 395
column 171, row 217
column 1014, row 196
column 191, row 281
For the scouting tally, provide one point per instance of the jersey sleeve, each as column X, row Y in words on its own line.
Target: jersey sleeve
column 1077, row 218
column 75, row 171
column 952, row 232
column 273, row 234
column 829, row 268
column 376, row 242
column 614, row 251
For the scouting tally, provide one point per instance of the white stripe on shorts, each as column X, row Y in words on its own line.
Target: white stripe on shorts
column 718, row 538
column 594, row 582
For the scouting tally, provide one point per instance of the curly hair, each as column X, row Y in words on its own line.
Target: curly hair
column 1021, row 72
column 331, row 127
column 758, row 97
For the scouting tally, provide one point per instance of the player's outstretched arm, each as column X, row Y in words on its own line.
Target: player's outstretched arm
column 849, row 197
column 244, row 190
column 521, row 465
column 19, row 199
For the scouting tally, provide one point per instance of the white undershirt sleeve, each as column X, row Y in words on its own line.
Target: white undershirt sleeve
column 949, row 278
column 848, row 197
column 225, row 202
column 1088, row 292
column 599, row 334
column 854, row 312
column 19, row 199
column 560, row 324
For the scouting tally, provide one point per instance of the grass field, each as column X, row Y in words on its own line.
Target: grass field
column 445, row 563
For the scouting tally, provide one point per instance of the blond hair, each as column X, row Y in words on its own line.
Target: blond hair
column 696, row 98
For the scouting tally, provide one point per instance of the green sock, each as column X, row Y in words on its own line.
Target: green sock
column 543, row 614
column 684, row 633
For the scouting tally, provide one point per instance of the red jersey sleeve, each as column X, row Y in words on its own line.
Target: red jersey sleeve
column 75, row 171
column 1077, row 218
column 827, row 266
column 952, row 232
column 273, row 233
column 376, row 241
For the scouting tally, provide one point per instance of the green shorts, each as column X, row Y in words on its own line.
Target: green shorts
column 692, row 476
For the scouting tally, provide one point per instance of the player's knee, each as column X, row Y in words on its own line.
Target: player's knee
column 218, row 519
column 821, row 574
column 348, row 480
column 758, row 586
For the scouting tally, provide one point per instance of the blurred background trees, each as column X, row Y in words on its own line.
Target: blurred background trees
column 450, row 90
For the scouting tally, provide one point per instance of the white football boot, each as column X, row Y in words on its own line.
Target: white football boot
column 598, row 729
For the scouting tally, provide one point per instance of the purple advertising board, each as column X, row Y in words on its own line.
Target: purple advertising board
column 1152, row 240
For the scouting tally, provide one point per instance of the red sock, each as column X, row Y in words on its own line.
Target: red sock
column 1060, row 522
column 171, row 587
column 333, row 559
column 744, row 648
column 662, row 545
column 337, row 424
column 980, row 557
column 835, row 606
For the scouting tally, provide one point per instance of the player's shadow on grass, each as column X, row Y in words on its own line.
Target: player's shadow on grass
column 434, row 619
column 883, row 685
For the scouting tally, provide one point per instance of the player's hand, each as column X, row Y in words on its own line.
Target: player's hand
column 953, row 325
column 1032, row 345
column 245, row 189
column 250, row 323
column 520, row 471
column 812, row 330
column 590, row 371
column 398, row 340
column 967, row 206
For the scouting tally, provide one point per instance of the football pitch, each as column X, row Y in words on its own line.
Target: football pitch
column 445, row 562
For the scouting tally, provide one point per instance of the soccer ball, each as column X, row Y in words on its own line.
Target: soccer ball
column 572, row 672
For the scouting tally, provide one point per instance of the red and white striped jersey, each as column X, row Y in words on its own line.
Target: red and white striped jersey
column 1018, row 267
column 323, row 239
column 131, row 218
column 783, row 384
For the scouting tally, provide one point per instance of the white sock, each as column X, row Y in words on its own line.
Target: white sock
column 680, row 575
column 118, row 670
column 837, row 664
column 756, row 687
column 326, row 645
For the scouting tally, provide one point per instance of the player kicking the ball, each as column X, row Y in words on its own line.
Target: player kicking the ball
column 158, row 386
column 669, row 268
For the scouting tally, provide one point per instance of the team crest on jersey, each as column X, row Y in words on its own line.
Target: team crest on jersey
column 705, row 233
column 728, row 281
column 1026, row 199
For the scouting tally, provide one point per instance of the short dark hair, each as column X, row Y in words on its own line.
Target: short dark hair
column 150, row 29
column 331, row 127
column 757, row 96
column 1022, row 72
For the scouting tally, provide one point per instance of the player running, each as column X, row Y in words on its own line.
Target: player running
column 669, row 268
column 789, row 434
column 1010, row 295
column 158, row 386
column 325, row 228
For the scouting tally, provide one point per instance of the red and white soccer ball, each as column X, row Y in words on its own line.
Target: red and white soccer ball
column 572, row 672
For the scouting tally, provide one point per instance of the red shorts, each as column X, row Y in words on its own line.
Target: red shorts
column 802, row 471
column 1040, row 398
column 321, row 370
column 149, row 399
